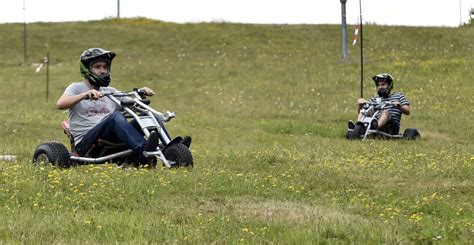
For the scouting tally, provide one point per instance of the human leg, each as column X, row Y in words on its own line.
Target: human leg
column 383, row 119
column 360, row 116
column 114, row 128
column 135, row 124
column 391, row 127
column 186, row 140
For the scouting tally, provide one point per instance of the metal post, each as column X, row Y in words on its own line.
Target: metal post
column 344, row 30
column 361, row 54
column 25, row 37
column 118, row 9
column 47, row 70
column 47, row 76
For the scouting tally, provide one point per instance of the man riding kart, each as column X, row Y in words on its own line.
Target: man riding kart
column 387, row 120
column 93, row 116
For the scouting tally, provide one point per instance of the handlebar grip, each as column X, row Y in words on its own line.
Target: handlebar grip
column 89, row 97
column 127, row 103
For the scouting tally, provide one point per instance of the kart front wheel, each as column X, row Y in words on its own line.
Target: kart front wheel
column 357, row 132
column 179, row 155
column 53, row 153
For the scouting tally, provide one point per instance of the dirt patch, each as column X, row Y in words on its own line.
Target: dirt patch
column 432, row 135
column 291, row 212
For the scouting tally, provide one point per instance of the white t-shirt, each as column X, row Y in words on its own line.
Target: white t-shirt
column 84, row 115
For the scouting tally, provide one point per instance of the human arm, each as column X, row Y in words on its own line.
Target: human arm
column 402, row 104
column 66, row 101
column 405, row 109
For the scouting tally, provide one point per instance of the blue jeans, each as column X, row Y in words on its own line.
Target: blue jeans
column 114, row 128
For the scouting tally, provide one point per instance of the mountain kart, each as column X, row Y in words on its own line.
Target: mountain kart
column 366, row 129
column 171, row 152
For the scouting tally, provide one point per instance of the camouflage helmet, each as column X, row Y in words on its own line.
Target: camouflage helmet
column 91, row 56
column 384, row 77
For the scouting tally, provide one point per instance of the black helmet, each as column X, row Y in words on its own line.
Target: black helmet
column 91, row 56
column 385, row 77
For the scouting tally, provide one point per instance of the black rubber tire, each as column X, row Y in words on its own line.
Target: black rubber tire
column 179, row 154
column 53, row 153
column 357, row 132
column 411, row 134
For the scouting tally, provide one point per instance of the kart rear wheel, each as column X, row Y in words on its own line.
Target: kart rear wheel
column 411, row 134
column 53, row 153
column 179, row 155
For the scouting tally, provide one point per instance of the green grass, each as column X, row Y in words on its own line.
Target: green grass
column 267, row 107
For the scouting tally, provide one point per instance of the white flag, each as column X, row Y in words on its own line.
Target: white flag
column 40, row 65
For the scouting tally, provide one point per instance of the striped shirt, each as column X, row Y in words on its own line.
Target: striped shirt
column 395, row 113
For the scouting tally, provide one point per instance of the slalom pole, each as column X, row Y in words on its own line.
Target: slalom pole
column 47, row 69
column 47, row 76
column 361, row 53
column 25, row 36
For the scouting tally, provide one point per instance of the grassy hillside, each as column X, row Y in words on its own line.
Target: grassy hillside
column 267, row 107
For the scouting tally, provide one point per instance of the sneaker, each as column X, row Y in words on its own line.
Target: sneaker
column 351, row 124
column 152, row 142
column 374, row 125
column 186, row 141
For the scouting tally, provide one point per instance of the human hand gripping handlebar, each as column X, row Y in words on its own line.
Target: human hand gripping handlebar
column 92, row 95
column 379, row 105
column 143, row 92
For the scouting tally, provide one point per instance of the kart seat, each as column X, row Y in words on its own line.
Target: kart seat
column 66, row 129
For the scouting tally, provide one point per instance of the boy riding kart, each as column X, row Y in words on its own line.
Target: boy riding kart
column 381, row 115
